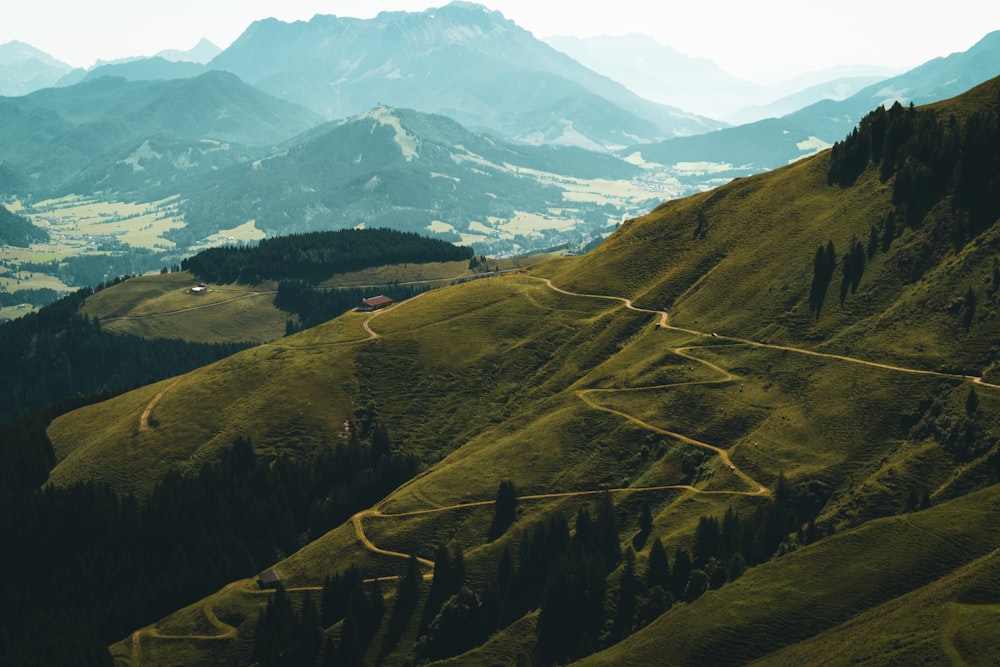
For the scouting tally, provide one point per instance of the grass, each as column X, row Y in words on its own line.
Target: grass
column 161, row 306
column 798, row 596
column 506, row 379
column 448, row 377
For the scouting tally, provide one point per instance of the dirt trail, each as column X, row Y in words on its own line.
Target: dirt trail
column 200, row 306
column 665, row 324
column 584, row 395
column 144, row 417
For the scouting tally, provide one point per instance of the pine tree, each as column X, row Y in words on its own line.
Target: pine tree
column 506, row 510
column 658, row 566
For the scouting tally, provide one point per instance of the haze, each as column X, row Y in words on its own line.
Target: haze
column 764, row 41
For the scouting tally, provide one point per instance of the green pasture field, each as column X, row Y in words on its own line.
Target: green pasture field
column 163, row 306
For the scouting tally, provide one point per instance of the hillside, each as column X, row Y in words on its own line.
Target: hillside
column 804, row 441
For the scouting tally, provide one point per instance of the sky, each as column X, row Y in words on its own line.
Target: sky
column 764, row 41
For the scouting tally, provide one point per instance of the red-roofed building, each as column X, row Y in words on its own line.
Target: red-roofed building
column 374, row 303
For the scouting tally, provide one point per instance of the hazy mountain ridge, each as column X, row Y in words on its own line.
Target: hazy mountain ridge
column 202, row 52
column 24, row 69
column 770, row 143
column 660, row 73
column 387, row 60
column 405, row 170
column 59, row 134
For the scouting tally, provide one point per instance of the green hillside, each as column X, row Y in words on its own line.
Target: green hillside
column 804, row 443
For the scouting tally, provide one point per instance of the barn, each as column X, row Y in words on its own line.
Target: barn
column 374, row 303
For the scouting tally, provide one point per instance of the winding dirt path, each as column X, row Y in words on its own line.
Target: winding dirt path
column 144, row 417
column 586, row 395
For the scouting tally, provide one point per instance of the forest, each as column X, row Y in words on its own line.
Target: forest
column 588, row 591
column 316, row 256
column 947, row 171
column 56, row 354
column 93, row 565
column 16, row 230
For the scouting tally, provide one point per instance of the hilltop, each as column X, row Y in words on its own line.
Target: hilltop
column 748, row 423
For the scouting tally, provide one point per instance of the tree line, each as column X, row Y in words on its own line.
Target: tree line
column 56, row 354
column 92, row 566
column 315, row 256
column 588, row 592
column 934, row 160
column 17, row 230
column 312, row 305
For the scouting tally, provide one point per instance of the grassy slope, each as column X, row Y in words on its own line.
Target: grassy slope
column 795, row 597
column 750, row 275
column 160, row 306
column 507, row 379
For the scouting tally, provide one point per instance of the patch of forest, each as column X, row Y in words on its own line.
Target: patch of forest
column 947, row 172
column 17, row 230
column 56, row 354
column 316, row 256
column 589, row 593
column 92, row 566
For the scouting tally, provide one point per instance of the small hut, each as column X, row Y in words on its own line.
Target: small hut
column 269, row 580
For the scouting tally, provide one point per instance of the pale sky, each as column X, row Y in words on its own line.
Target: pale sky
column 764, row 41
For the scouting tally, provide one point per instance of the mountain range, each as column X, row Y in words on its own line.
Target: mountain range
column 772, row 142
column 461, row 60
column 658, row 72
column 153, row 128
column 24, row 69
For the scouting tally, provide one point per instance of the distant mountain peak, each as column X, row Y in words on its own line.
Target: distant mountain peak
column 200, row 53
column 389, row 117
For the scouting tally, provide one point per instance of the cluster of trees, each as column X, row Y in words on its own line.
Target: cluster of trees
column 588, row 593
column 962, row 427
column 112, row 259
column 17, row 230
column 934, row 160
column 316, row 256
column 91, row 565
column 824, row 264
column 36, row 297
column 313, row 305
column 56, row 354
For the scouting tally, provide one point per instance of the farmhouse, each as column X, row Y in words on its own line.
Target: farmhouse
column 269, row 579
column 374, row 303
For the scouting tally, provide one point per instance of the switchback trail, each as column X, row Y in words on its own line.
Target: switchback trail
column 664, row 323
column 586, row 395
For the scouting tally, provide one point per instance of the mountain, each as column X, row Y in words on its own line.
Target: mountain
column 834, row 89
column 659, row 73
column 758, row 423
column 148, row 69
column 24, row 69
column 202, row 52
column 460, row 60
column 60, row 135
column 410, row 171
column 662, row 74
column 771, row 142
